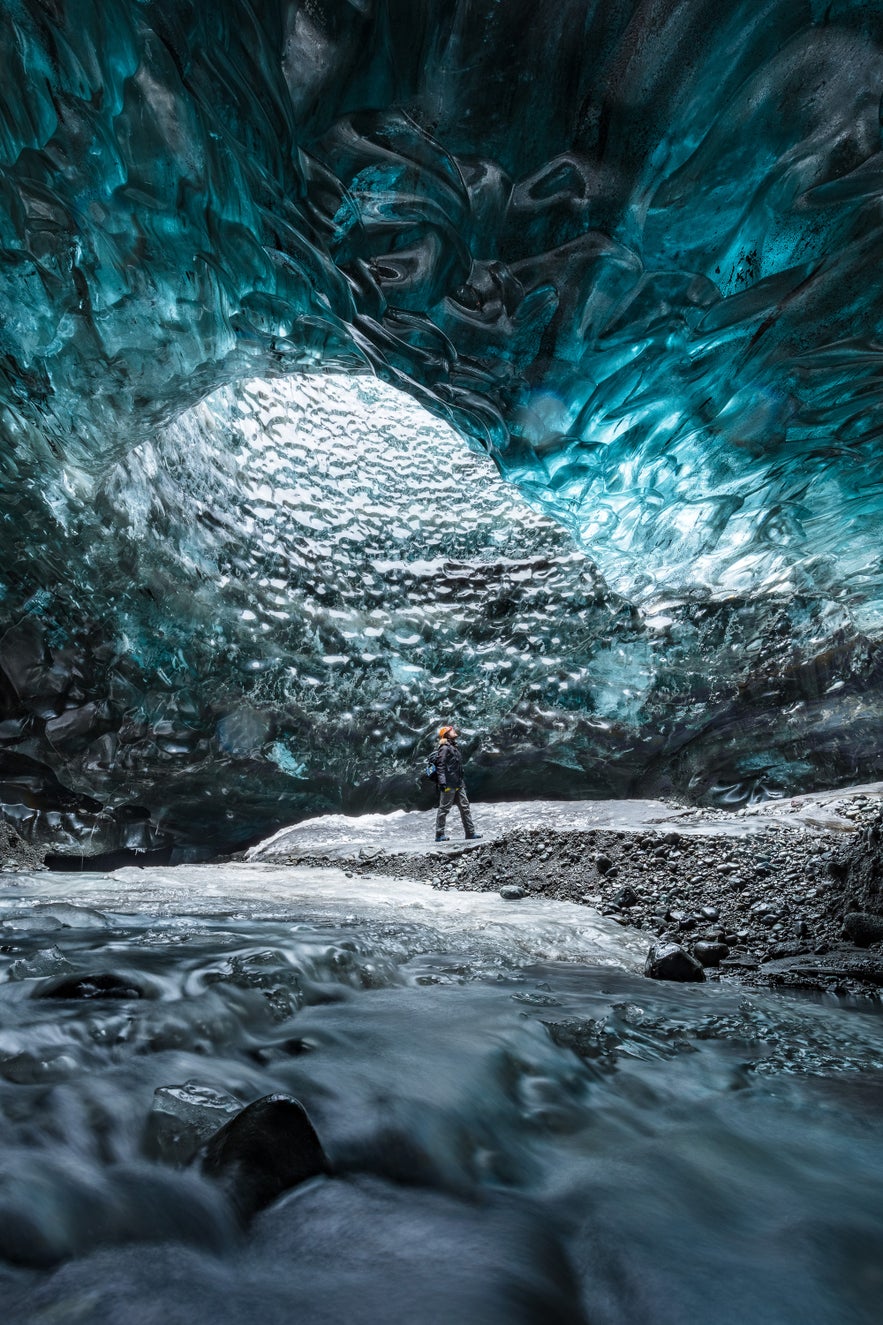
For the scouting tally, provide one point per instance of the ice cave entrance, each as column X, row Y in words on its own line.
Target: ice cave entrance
column 327, row 487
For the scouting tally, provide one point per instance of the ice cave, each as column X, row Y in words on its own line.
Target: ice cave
column 626, row 311
column 371, row 365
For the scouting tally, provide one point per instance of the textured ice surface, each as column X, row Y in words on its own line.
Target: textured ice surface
column 630, row 250
column 265, row 609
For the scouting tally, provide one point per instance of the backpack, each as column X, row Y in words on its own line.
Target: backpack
column 430, row 768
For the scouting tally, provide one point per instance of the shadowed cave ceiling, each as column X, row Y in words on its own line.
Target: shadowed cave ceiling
column 366, row 365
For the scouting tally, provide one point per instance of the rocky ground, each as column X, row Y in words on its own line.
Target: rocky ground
column 17, row 854
column 786, row 906
column 782, row 907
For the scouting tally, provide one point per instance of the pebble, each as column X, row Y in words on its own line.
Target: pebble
column 710, row 954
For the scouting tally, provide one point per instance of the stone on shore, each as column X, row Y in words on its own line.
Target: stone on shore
column 863, row 928
column 669, row 961
column 710, row 954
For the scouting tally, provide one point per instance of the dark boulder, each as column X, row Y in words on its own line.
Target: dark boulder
column 267, row 1149
column 625, row 897
column 669, row 961
column 710, row 954
column 863, row 928
column 102, row 985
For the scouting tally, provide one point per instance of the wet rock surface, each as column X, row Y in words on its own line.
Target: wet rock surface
column 669, row 961
column 265, row 1150
column 101, row 985
column 794, row 906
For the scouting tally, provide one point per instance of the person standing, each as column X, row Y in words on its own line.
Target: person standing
column 451, row 788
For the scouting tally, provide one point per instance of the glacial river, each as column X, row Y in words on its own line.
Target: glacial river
column 521, row 1127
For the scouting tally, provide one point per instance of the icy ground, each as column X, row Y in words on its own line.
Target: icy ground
column 340, row 835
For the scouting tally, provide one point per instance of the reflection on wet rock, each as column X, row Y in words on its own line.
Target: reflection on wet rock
column 669, row 961
column 267, row 1148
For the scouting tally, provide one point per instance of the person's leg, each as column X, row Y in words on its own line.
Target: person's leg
column 465, row 812
column 445, row 801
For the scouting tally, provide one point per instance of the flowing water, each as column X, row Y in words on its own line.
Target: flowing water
column 522, row 1128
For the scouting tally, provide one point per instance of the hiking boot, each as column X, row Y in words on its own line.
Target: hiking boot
column 442, row 837
column 473, row 837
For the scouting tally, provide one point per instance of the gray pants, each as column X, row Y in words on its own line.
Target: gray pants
column 449, row 796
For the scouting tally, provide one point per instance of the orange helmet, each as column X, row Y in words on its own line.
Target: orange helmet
column 446, row 731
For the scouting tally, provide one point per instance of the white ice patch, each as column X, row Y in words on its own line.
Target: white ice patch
column 519, row 932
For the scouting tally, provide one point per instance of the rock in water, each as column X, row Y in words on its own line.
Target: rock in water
column 863, row 928
column 669, row 961
column 23, row 924
column 268, row 1148
column 101, row 985
column 46, row 961
column 512, row 892
column 182, row 1118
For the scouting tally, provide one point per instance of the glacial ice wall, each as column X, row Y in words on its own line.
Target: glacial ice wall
column 264, row 611
column 629, row 249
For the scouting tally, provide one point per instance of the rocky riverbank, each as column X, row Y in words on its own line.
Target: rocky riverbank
column 783, row 907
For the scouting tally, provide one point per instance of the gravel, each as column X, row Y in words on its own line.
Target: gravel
column 752, row 908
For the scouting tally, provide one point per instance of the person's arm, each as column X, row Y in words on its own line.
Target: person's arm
column 441, row 764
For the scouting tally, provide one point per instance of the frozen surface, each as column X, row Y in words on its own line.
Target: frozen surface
column 537, row 931
column 629, row 249
column 339, row 834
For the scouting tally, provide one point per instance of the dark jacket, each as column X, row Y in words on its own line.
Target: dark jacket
column 449, row 763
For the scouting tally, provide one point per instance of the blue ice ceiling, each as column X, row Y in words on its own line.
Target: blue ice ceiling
column 629, row 250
